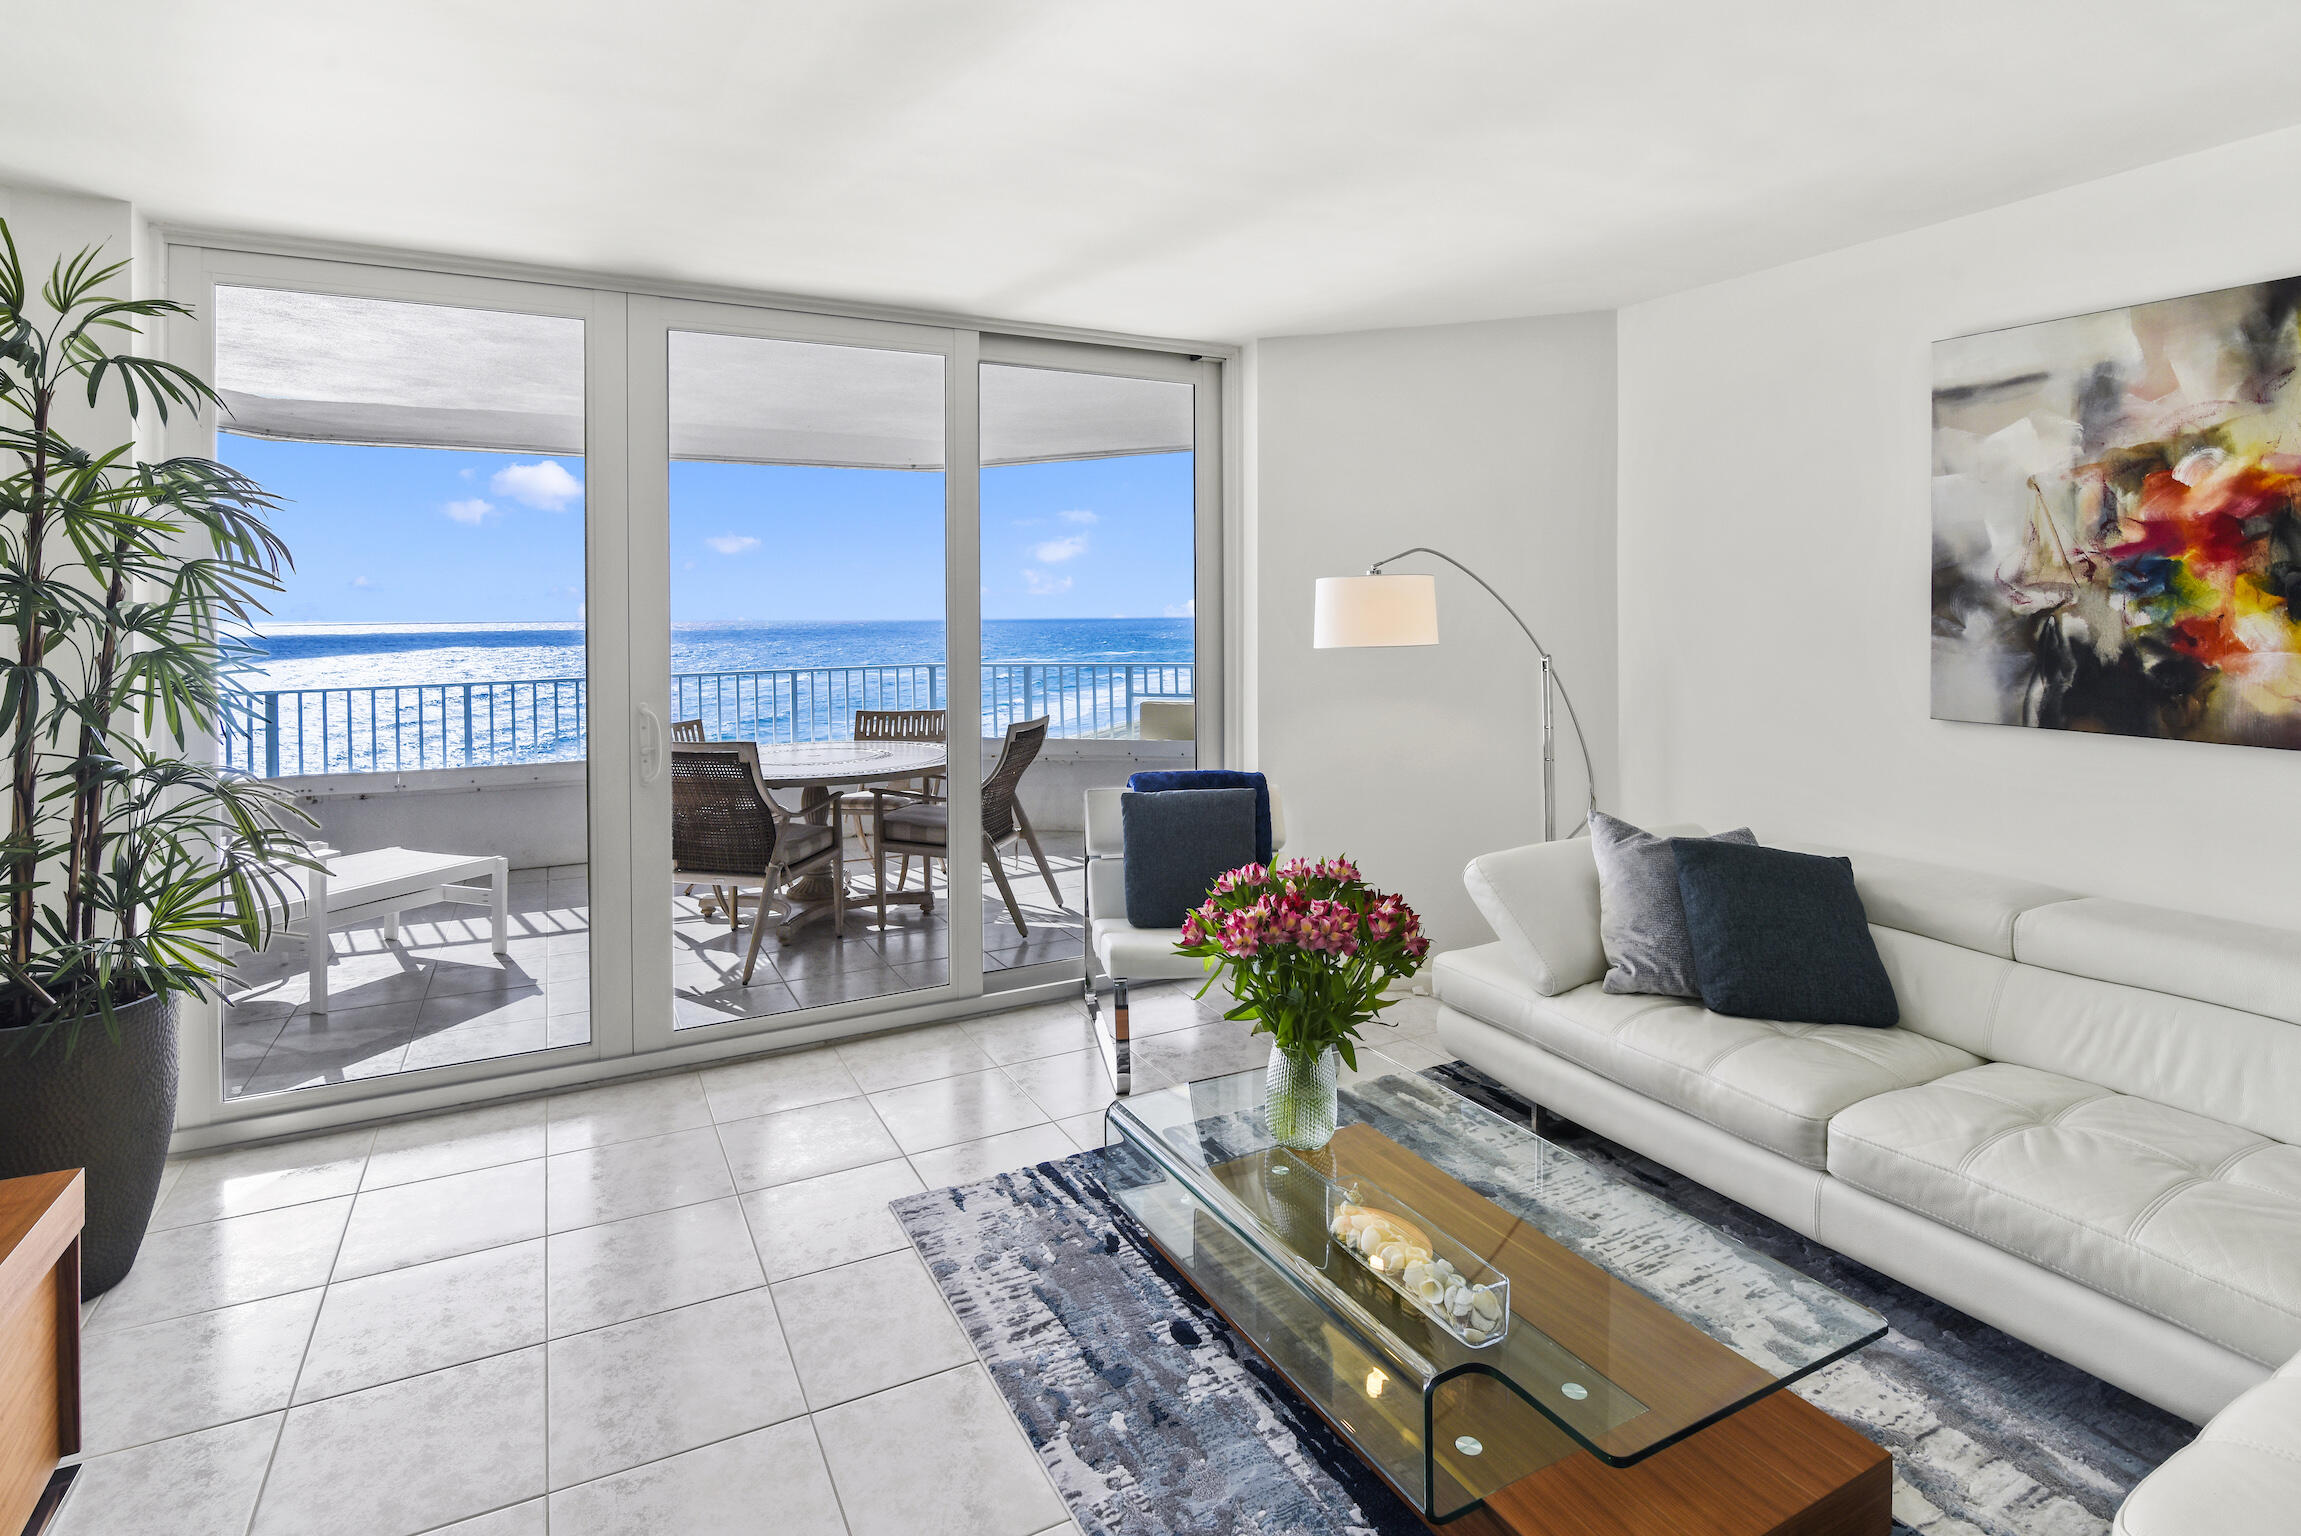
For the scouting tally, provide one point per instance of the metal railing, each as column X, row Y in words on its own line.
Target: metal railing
column 398, row 728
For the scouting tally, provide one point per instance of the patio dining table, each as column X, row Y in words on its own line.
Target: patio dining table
column 816, row 768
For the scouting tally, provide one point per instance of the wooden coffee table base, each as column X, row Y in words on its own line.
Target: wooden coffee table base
column 1780, row 1467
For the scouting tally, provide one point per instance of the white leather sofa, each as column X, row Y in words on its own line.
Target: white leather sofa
column 2086, row 1129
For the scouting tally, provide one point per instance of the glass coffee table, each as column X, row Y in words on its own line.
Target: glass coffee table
column 1624, row 1354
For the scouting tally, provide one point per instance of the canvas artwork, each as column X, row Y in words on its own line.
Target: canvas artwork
column 2117, row 521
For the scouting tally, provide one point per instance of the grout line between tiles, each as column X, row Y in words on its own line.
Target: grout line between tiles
column 304, row 1356
column 806, row 1409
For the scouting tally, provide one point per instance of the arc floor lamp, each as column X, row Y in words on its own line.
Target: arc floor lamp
column 1402, row 609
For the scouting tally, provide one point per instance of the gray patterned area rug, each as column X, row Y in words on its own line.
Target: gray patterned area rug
column 1155, row 1420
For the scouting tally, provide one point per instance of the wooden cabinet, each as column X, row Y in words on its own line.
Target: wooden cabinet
column 40, row 1220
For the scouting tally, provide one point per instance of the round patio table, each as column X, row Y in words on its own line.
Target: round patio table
column 815, row 768
column 823, row 766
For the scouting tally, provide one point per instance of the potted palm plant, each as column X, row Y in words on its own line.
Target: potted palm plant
column 1309, row 950
column 129, row 859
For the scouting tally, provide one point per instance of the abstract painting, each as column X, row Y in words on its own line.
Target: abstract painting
column 2117, row 521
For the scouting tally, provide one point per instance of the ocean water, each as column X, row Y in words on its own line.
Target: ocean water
column 303, row 656
column 389, row 697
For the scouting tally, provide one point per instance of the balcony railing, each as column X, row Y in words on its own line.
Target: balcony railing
column 400, row 728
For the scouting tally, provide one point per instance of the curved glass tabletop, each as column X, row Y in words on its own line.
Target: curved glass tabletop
column 1630, row 1324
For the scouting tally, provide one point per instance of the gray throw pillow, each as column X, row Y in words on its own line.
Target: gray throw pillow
column 1177, row 841
column 1641, row 917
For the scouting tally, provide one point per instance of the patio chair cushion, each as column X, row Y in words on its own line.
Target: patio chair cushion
column 927, row 822
column 799, row 840
column 1177, row 841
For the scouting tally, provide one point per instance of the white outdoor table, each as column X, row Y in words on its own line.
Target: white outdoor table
column 361, row 887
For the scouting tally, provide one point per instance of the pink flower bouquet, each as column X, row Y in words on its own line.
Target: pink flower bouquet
column 1308, row 949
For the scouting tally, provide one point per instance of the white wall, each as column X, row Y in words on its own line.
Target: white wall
column 46, row 225
column 1775, row 552
column 1495, row 443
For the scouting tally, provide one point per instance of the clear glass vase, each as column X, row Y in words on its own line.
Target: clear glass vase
column 1298, row 1098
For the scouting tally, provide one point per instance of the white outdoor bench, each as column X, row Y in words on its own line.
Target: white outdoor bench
column 361, row 887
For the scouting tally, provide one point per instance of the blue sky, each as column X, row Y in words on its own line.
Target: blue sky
column 385, row 535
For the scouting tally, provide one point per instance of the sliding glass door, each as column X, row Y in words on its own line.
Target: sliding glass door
column 662, row 674
column 425, row 687
column 794, row 522
column 1093, row 489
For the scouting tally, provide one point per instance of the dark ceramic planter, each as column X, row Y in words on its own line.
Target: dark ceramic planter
column 108, row 1107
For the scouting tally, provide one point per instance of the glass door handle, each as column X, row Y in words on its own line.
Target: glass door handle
column 650, row 745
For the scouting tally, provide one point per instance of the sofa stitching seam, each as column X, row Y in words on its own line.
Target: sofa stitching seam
column 1996, row 1001
column 2281, row 1452
column 2215, row 1172
column 1672, row 1066
column 1974, row 1152
column 2147, row 1213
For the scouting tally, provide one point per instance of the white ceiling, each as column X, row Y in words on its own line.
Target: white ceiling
column 1219, row 169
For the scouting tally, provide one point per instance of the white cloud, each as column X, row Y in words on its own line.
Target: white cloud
column 1187, row 610
column 1056, row 551
column 1040, row 584
column 732, row 543
column 471, row 512
column 544, row 484
column 687, row 565
column 362, row 583
column 1080, row 516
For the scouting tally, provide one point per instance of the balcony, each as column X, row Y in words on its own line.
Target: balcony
column 496, row 768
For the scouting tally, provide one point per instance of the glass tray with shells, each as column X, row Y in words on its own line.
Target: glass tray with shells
column 1445, row 1281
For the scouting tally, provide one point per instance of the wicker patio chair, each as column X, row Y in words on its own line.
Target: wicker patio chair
column 921, row 824
column 689, row 731
column 898, row 725
column 728, row 832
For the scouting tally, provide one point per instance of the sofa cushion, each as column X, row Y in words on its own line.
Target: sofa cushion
column 2241, row 1477
column 2212, row 1061
column 2181, row 1216
column 1944, row 990
column 1773, row 1084
column 1542, row 903
column 2237, row 965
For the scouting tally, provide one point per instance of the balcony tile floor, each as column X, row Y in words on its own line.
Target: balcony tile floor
column 619, row 1309
column 440, row 996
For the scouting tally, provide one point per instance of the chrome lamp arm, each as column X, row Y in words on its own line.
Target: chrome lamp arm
column 1551, row 682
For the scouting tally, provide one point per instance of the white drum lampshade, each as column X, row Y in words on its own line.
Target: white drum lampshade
column 1375, row 610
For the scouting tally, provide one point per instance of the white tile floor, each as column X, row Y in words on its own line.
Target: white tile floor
column 629, row 1309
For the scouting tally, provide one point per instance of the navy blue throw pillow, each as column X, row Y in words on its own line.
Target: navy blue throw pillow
column 1177, row 841
column 1160, row 781
column 1781, row 935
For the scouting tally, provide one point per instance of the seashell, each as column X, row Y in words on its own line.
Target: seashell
column 1413, row 1272
column 1400, row 1229
column 1474, row 1334
column 1429, row 1289
column 1485, row 1303
column 1392, row 1256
